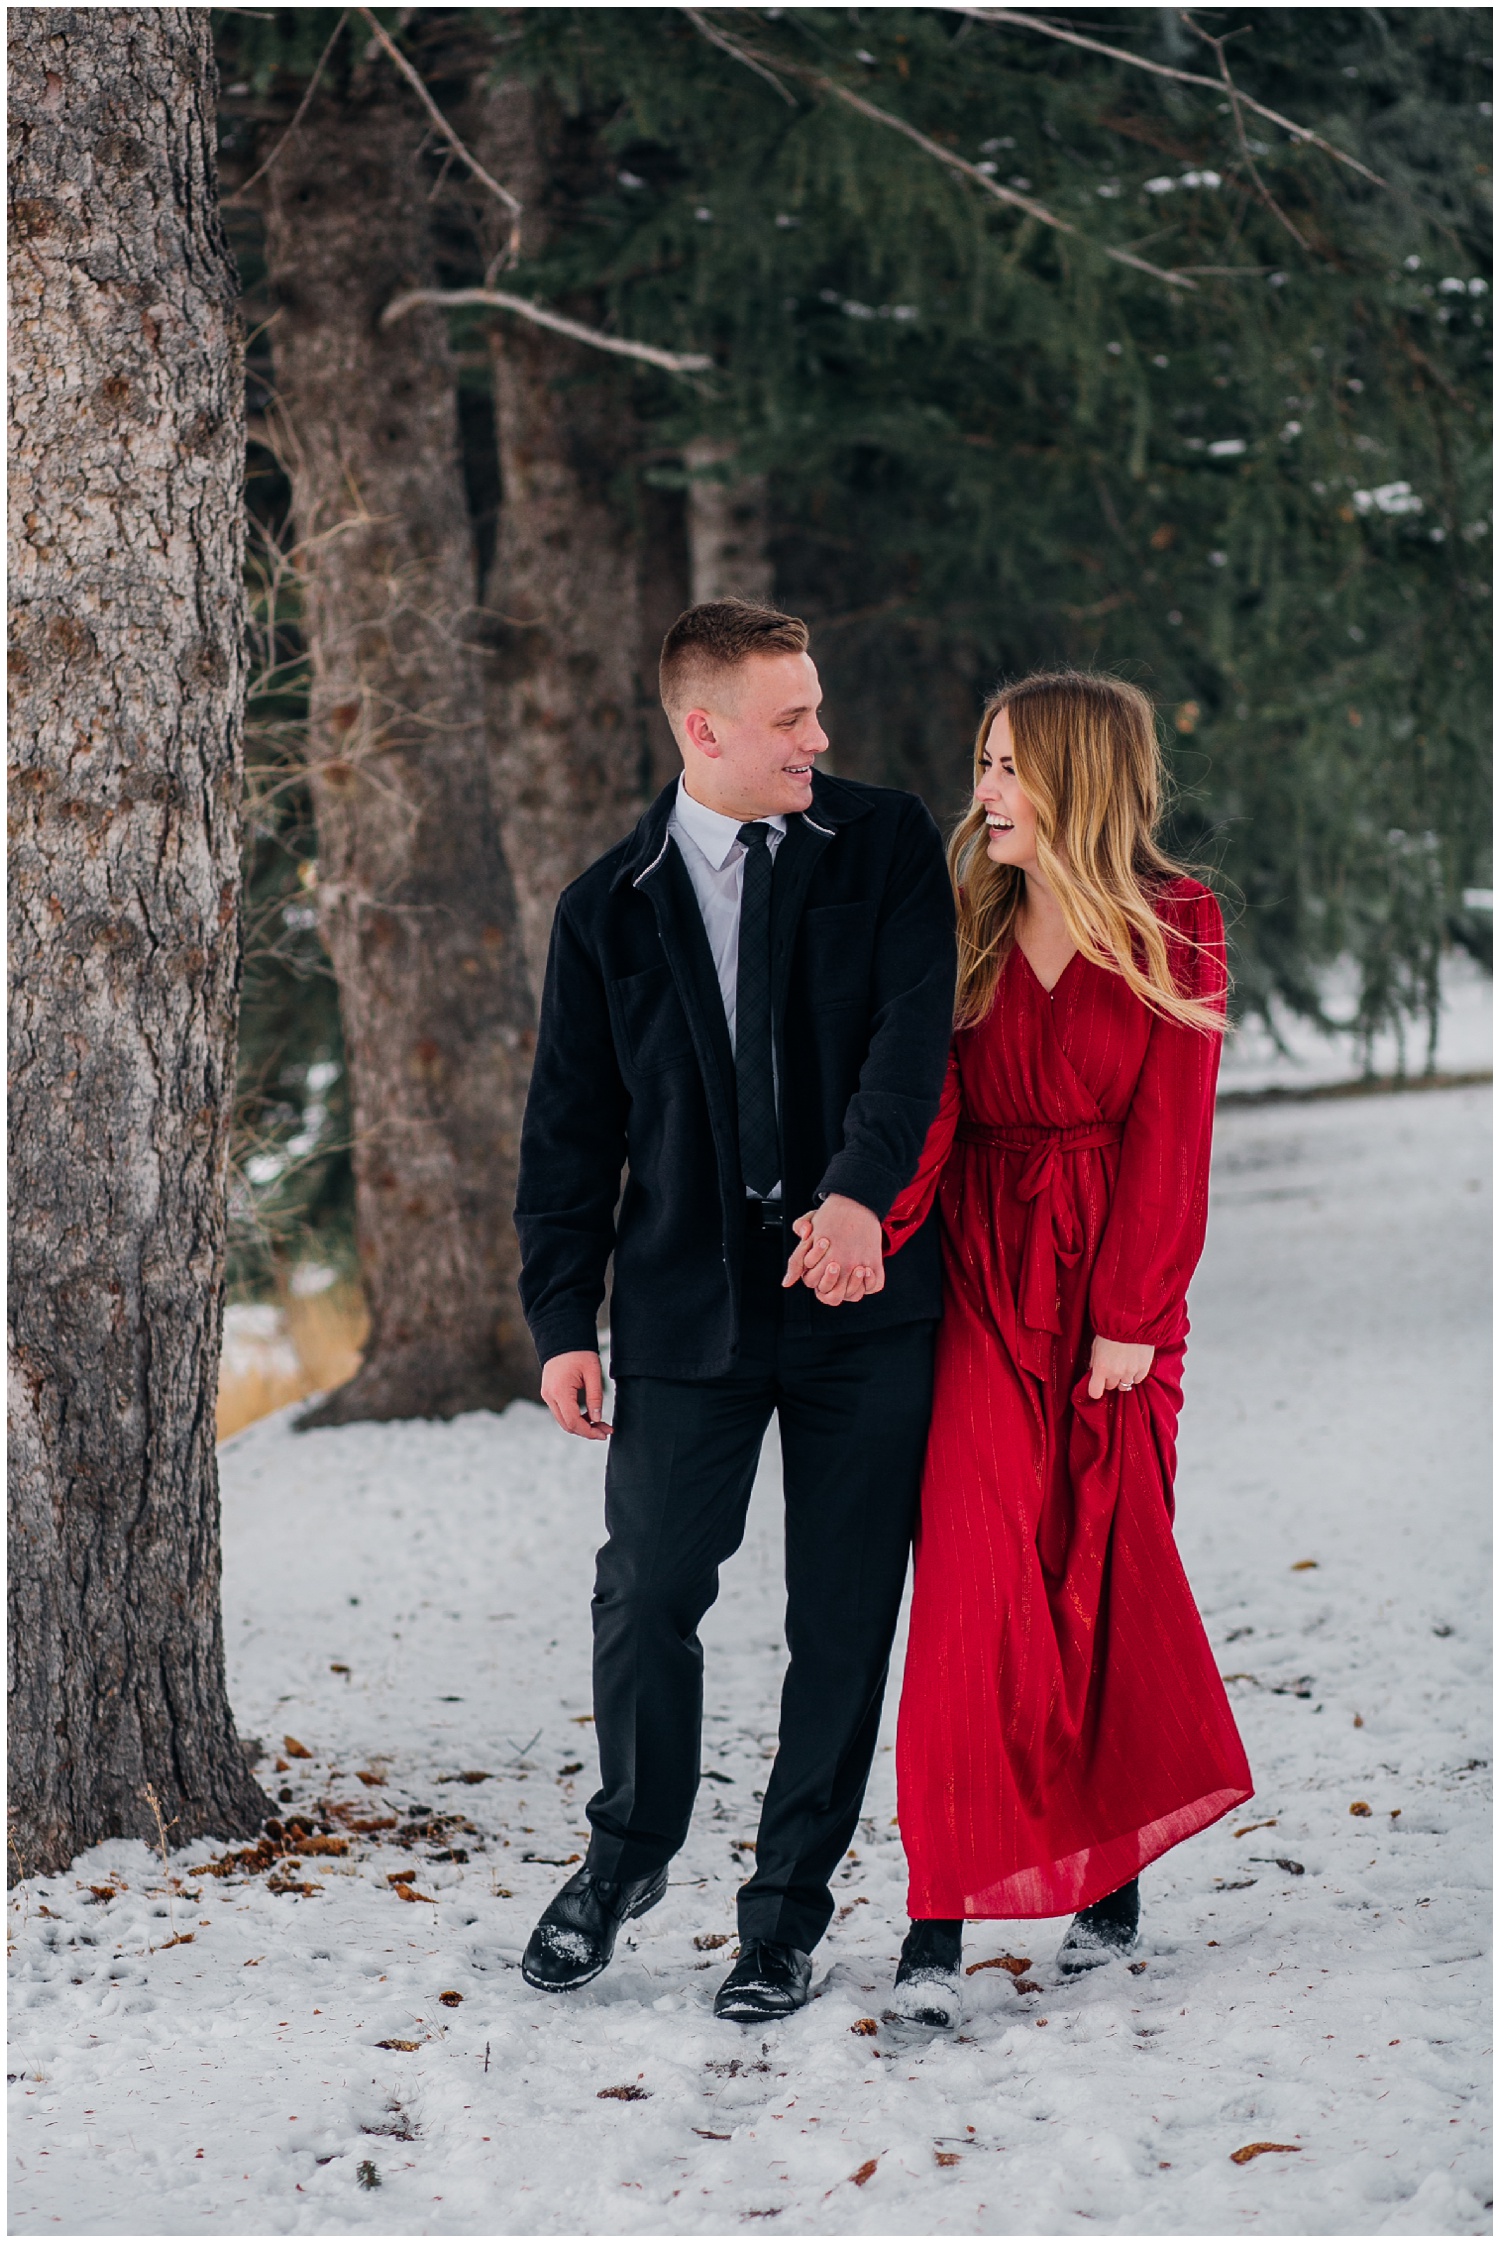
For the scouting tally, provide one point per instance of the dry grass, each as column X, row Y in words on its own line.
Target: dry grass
column 326, row 1332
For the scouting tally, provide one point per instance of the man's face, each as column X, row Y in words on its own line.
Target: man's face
column 750, row 741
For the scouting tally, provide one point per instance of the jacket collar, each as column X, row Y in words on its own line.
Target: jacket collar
column 716, row 836
column 833, row 805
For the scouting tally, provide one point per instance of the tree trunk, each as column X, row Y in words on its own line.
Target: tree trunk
column 419, row 908
column 125, row 485
column 728, row 527
column 577, row 738
column 666, row 589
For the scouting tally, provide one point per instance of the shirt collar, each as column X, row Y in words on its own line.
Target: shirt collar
column 716, row 835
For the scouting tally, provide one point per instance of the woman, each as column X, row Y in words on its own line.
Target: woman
column 1062, row 1718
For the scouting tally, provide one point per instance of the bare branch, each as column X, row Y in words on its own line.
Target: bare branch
column 1237, row 113
column 945, row 156
column 312, row 87
column 670, row 361
column 1163, row 70
column 1032, row 208
column 414, row 80
column 717, row 39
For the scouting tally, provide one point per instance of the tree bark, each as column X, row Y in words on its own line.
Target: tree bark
column 127, row 679
column 577, row 739
column 419, row 907
column 728, row 527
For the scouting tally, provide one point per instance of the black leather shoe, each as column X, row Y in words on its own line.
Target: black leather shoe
column 927, row 1997
column 768, row 1981
column 1108, row 1929
column 577, row 1934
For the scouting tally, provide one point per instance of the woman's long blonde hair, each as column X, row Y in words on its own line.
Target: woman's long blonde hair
column 1088, row 759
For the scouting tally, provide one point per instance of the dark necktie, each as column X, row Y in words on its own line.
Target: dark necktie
column 760, row 1161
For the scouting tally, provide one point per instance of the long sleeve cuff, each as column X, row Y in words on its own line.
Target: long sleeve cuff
column 855, row 1177
column 565, row 1330
column 1160, row 1333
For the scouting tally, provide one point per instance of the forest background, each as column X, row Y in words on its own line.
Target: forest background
column 1001, row 349
column 458, row 349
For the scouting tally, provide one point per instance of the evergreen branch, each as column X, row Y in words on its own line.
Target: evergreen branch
column 312, row 87
column 1420, row 359
column 1032, row 208
column 415, row 80
column 670, row 361
column 1164, row 70
column 935, row 149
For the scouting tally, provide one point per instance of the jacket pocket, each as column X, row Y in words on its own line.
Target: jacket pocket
column 836, row 943
column 652, row 1024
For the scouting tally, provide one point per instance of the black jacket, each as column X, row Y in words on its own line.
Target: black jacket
column 633, row 1066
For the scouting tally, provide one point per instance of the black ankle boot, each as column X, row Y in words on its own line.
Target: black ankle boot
column 927, row 1995
column 770, row 1981
column 1105, row 1929
column 576, row 1936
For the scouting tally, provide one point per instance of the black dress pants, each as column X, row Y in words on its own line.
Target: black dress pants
column 853, row 1412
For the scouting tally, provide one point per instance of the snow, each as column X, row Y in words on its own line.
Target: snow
column 1300, row 1057
column 256, row 1339
column 411, row 1601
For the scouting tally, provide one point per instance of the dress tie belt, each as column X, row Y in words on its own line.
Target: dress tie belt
column 1053, row 1231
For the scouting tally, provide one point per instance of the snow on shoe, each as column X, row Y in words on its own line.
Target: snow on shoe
column 928, row 1995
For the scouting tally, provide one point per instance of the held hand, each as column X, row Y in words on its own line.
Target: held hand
column 1116, row 1366
column 796, row 1268
column 838, row 1254
column 573, row 1390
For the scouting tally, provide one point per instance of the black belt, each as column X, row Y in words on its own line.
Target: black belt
column 763, row 1214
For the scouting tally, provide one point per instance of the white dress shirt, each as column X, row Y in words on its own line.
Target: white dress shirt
column 710, row 846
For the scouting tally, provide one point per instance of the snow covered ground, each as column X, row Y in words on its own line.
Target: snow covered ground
column 410, row 1604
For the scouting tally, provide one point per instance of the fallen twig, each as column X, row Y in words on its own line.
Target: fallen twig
column 178, row 1939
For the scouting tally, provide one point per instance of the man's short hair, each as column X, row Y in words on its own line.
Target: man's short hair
column 719, row 635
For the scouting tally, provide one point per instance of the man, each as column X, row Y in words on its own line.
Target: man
column 748, row 1004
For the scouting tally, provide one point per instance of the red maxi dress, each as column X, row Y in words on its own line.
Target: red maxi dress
column 1062, row 1718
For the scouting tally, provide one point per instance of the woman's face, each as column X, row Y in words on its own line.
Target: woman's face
column 1010, row 816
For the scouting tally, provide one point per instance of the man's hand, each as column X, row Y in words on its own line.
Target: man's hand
column 1116, row 1364
column 573, row 1390
column 838, row 1254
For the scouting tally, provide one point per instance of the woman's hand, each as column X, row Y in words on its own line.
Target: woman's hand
column 838, row 1254
column 1115, row 1365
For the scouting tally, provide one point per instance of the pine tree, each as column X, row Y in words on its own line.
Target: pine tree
column 417, row 900
column 1263, row 495
column 127, row 443
column 988, row 443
